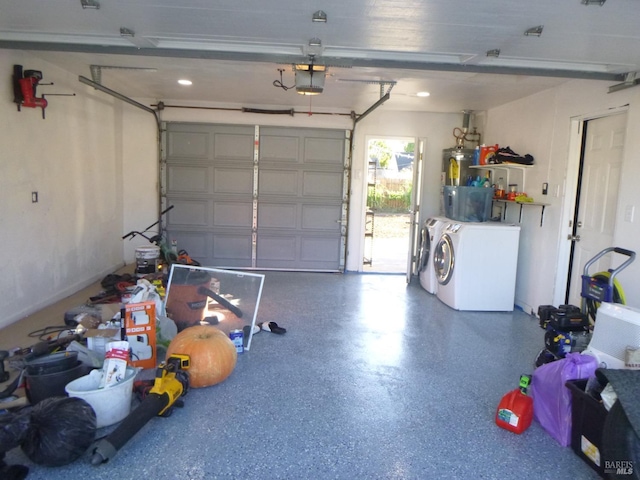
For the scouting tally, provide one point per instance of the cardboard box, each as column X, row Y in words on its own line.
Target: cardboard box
column 140, row 328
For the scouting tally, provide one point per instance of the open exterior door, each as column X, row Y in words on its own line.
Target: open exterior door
column 414, row 213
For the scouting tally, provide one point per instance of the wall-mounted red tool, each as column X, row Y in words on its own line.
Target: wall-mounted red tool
column 24, row 88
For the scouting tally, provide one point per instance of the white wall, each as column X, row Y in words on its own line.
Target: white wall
column 540, row 125
column 74, row 160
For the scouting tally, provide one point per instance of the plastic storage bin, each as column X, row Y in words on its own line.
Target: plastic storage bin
column 468, row 204
column 587, row 422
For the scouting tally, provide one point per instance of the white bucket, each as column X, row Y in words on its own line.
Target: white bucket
column 111, row 404
column 147, row 258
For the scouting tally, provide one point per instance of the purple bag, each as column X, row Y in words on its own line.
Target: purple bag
column 552, row 399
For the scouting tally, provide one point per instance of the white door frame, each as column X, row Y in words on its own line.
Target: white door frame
column 569, row 190
column 416, row 204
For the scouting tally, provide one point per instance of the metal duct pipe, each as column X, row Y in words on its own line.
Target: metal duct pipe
column 465, row 120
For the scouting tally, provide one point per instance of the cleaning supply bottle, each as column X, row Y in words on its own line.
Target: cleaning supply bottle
column 476, row 156
column 515, row 411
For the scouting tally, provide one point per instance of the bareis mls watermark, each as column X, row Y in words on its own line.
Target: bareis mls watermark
column 618, row 467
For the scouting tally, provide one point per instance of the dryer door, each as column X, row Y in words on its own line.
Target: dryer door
column 443, row 259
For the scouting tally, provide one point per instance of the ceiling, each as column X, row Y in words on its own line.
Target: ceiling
column 232, row 51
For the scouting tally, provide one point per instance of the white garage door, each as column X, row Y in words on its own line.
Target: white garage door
column 257, row 197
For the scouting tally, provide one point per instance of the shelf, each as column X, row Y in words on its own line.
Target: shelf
column 505, row 166
column 489, row 166
column 522, row 204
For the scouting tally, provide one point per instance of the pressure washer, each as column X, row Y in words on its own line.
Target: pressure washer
column 568, row 328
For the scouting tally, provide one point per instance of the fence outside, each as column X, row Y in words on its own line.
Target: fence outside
column 390, row 195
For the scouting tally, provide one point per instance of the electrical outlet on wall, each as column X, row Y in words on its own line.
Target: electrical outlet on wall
column 629, row 212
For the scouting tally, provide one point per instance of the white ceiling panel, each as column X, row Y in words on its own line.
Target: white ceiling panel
column 232, row 50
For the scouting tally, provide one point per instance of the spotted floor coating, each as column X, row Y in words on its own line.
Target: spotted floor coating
column 374, row 379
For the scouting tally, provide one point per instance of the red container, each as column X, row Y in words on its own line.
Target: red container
column 486, row 152
column 515, row 411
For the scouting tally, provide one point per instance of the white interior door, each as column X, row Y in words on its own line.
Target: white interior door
column 597, row 195
column 414, row 214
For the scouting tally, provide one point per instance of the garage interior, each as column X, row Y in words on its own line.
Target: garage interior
column 120, row 140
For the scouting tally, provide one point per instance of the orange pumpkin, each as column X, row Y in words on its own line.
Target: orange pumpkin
column 213, row 354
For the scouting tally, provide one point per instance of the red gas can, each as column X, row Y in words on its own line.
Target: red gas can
column 515, row 411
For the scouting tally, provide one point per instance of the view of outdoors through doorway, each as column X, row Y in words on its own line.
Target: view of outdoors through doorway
column 389, row 187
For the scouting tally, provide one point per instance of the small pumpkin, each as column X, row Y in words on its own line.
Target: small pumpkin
column 213, row 355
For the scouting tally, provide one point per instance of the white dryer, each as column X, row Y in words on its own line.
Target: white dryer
column 475, row 265
column 429, row 237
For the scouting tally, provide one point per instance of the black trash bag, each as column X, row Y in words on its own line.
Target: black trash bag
column 13, row 430
column 13, row 472
column 60, row 431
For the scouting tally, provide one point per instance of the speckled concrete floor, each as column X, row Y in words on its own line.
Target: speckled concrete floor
column 374, row 379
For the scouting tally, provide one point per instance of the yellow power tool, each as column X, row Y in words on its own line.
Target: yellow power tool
column 171, row 383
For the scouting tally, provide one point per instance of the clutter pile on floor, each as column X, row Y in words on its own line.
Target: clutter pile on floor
column 129, row 354
column 584, row 388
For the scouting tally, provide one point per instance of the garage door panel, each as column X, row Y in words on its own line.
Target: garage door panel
column 189, row 145
column 234, row 247
column 277, row 247
column 321, row 184
column 190, row 213
column 196, row 243
column 318, row 249
column 324, row 151
column 293, row 220
column 233, row 180
column 237, row 147
column 278, row 182
column 188, row 179
column 277, row 215
column 232, row 214
column 279, row 148
column 321, row 217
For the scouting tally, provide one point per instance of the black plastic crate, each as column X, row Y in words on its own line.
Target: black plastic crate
column 587, row 422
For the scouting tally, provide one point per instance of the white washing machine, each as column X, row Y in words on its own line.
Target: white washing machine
column 475, row 265
column 429, row 237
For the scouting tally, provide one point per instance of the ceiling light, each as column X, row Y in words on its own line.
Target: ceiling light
column 534, row 31
column 315, row 42
column 310, row 66
column 493, row 53
column 184, row 81
column 422, row 94
column 593, row 2
column 90, row 4
column 319, row 17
